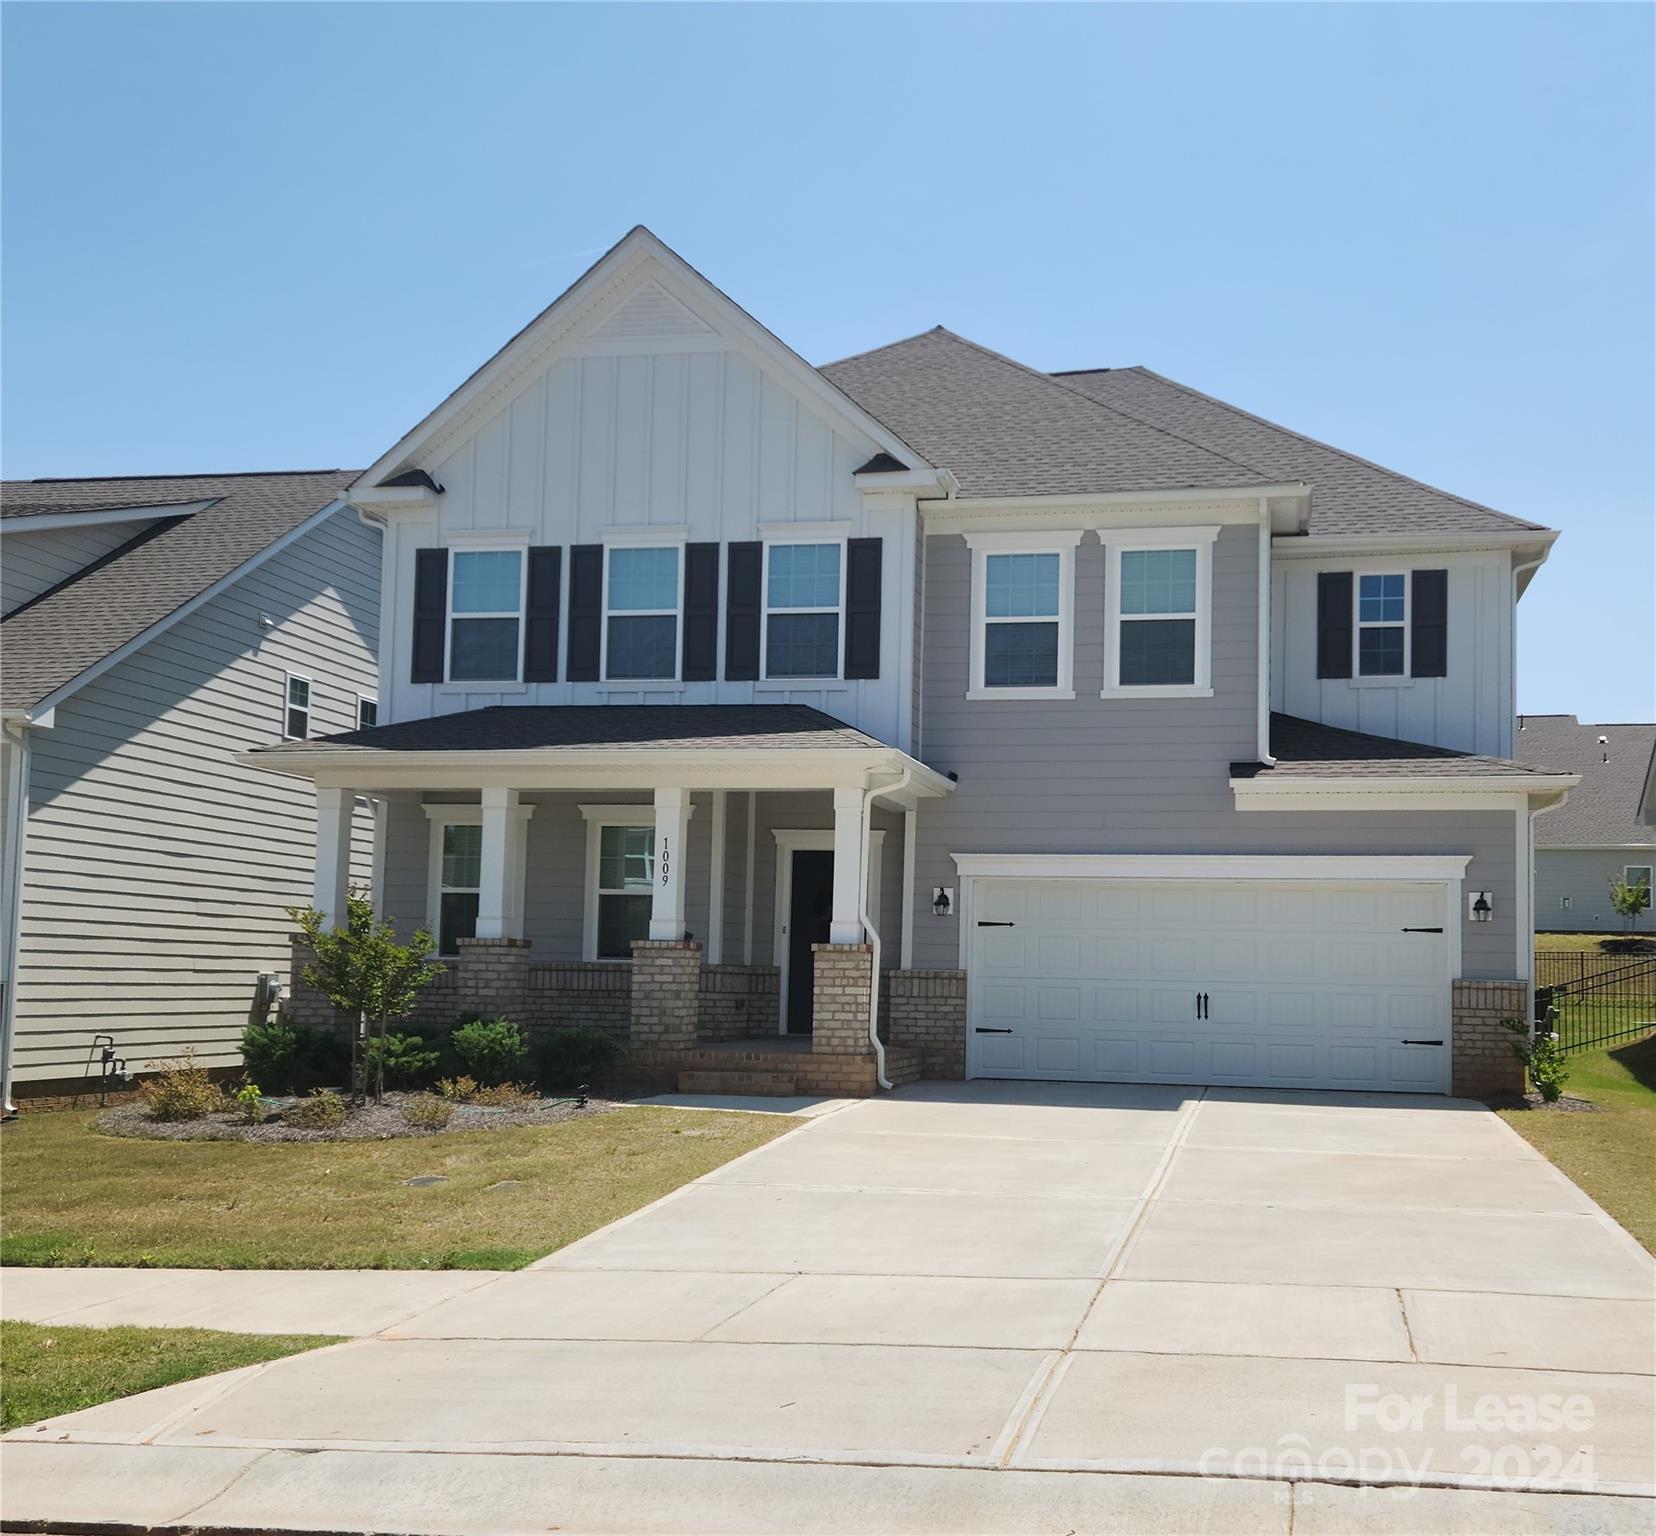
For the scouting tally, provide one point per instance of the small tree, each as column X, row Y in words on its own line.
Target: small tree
column 1629, row 900
column 363, row 971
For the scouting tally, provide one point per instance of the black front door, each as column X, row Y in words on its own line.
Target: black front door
column 809, row 909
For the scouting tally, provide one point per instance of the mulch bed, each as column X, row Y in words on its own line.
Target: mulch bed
column 1562, row 1106
column 372, row 1122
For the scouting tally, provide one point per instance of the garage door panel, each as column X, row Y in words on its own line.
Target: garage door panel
column 1306, row 984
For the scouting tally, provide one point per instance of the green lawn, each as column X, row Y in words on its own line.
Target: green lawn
column 1610, row 1155
column 1629, row 945
column 45, row 1371
column 71, row 1196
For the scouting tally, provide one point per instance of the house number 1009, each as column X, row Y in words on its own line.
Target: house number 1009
column 666, row 861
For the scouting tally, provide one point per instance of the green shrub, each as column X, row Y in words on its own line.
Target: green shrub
column 288, row 1057
column 458, row 1090
column 1544, row 1058
column 491, row 1050
column 574, row 1058
column 427, row 1112
column 183, row 1091
column 324, row 1110
column 410, row 1059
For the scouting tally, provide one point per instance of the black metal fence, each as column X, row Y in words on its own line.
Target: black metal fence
column 1600, row 1006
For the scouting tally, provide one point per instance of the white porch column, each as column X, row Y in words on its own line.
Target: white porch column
column 672, row 826
column 910, row 820
column 495, row 864
column 845, row 921
column 716, row 883
column 334, row 810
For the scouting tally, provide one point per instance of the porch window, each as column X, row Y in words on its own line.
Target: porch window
column 296, row 716
column 641, row 613
column 1382, row 609
column 485, row 615
column 459, row 881
column 802, row 610
column 1157, row 612
column 626, row 870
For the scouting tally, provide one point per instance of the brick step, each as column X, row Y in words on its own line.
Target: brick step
column 768, row 1084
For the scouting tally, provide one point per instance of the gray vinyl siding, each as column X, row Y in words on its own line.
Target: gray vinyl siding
column 158, row 870
column 1584, row 875
column 1092, row 775
column 30, row 561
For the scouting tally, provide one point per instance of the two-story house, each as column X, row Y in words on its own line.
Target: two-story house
column 1123, row 734
column 152, row 626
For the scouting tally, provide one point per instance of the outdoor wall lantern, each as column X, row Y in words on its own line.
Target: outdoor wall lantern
column 1481, row 908
column 942, row 900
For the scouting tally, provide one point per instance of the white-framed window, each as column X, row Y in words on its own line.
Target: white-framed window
column 485, row 614
column 1636, row 874
column 620, row 879
column 456, row 872
column 803, row 633
column 1382, row 629
column 1158, row 612
column 1023, row 614
column 1565, row 903
column 296, row 706
column 643, row 598
column 367, row 712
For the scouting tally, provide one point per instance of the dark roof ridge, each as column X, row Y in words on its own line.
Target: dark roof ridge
column 194, row 474
column 1316, row 442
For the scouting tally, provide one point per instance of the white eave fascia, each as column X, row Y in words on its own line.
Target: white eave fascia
column 53, row 522
column 1290, row 790
column 1248, row 496
column 1333, row 545
column 393, row 498
column 924, row 484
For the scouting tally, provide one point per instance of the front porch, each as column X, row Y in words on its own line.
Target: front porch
column 721, row 911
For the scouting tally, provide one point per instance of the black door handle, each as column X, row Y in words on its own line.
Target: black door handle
column 1420, row 930
column 982, row 923
column 981, row 1031
column 1423, row 1042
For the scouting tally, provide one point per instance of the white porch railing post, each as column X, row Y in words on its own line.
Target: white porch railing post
column 334, row 812
column 495, row 863
column 672, row 824
column 845, row 921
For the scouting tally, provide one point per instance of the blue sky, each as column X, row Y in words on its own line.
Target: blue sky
column 251, row 237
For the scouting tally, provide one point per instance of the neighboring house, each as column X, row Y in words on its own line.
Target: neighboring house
column 1142, row 739
column 1597, row 835
column 152, row 628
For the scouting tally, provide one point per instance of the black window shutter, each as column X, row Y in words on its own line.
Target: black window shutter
column 1334, row 624
column 862, row 608
column 586, row 610
column 540, row 637
column 742, row 612
column 701, row 613
column 430, row 615
column 1429, row 623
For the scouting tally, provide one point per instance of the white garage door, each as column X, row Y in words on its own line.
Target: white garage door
column 1305, row 984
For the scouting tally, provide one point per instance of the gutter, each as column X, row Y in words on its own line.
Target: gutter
column 1263, row 660
column 869, row 927
column 11, row 880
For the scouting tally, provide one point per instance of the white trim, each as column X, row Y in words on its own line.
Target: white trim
column 835, row 531
column 1649, row 869
column 644, row 535
column 1334, row 546
column 463, row 815
column 36, row 713
column 716, row 880
column 480, row 544
column 789, row 841
column 288, row 706
column 911, row 818
column 13, row 879
column 643, row 684
column 1105, row 502
column 769, row 542
column 1359, row 624
column 1262, row 640
column 641, row 813
column 56, row 522
column 1212, row 866
column 1060, row 542
column 1277, row 791
column 747, row 905
column 1198, row 540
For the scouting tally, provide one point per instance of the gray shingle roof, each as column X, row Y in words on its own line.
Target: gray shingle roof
column 1006, row 430
column 1603, row 810
column 1309, row 749
column 596, row 727
column 1349, row 495
column 52, row 640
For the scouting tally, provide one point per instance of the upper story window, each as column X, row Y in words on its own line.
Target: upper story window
column 1023, row 598
column 296, row 707
column 1157, row 606
column 803, row 603
column 1382, row 625
column 367, row 712
column 1636, row 874
column 485, row 615
column 641, row 612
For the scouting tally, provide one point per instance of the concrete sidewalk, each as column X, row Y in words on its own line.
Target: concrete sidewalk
column 931, row 1312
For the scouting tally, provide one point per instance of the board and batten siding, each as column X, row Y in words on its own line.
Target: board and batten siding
column 31, row 562
column 159, row 871
column 1092, row 775
column 706, row 444
column 1470, row 710
column 1584, row 875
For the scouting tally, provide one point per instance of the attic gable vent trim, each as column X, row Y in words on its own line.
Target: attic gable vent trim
column 410, row 478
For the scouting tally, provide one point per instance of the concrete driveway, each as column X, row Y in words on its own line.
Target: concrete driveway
column 930, row 1312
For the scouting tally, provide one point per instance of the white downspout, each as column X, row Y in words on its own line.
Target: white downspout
column 1264, row 663
column 16, row 834
column 1527, row 933
column 870, row 929
column 1512, row 649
